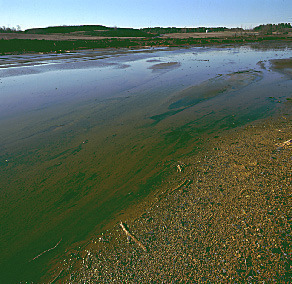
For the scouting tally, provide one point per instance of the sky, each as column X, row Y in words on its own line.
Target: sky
column 144, row 13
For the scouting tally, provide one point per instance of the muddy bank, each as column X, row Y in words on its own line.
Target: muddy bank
column 162, row 66
column 223, row 218
column 283, row 65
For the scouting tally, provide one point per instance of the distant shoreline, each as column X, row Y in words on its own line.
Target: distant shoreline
column 10, row 44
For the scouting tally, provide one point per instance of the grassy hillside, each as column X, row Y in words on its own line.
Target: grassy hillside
column 91, row 30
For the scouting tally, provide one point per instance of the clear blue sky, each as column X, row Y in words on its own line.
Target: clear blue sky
column 144, row 13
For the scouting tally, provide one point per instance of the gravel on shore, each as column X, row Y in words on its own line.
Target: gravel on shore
column 228, row 220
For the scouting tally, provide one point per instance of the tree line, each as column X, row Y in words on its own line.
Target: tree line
column 4, row 29
column 99, row 30
column 270, row 28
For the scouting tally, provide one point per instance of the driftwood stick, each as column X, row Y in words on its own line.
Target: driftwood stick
column 46, row 251
column 132, row 237
column 185, row 182
column 57, row 276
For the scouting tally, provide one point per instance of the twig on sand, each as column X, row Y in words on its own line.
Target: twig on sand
column 286, row 143
column 46, row 251
column 185, row 182
column 132, row 237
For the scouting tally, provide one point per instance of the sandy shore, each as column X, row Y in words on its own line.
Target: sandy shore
column 224, row 218
column 227, row 222
column 161, row 66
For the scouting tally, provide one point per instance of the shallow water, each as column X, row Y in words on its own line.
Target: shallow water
column 86, row 135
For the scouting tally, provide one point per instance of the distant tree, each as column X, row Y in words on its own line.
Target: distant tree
column 9, row 30
column 270, row 28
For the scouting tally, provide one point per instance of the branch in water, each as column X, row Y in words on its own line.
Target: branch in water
column 46, row 251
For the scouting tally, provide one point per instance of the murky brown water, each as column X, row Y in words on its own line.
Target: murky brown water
column 85, row 136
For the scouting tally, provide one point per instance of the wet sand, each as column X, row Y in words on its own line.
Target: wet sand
column 88, row 57
column 162, row 66
column 283, row 65
column 76, row 158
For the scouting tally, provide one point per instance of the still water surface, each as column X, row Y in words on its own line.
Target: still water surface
column 86, row 135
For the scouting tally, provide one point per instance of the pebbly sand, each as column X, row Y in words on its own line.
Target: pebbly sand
column 224, row 218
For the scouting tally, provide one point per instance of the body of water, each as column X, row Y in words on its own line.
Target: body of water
column 87, row 135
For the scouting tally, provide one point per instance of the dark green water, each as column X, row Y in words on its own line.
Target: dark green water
column 84, row 138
